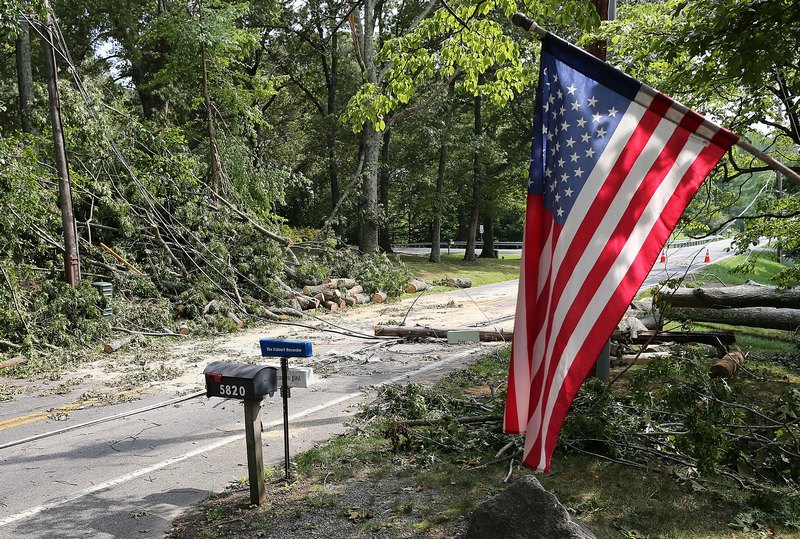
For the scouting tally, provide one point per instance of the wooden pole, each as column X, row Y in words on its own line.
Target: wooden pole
column 255, row 458
column 526, row 23
column 71, row 257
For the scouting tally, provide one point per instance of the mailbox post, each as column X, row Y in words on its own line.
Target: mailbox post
column 285, row 350
column 249, row 383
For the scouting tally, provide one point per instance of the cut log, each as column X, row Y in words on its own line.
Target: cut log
column 361, row 298
column 183, row 329
column 349, row 300
column 353, row 290
column 758, row 317
column 236, row 320
column 116, row 344
column 645, row 357
column 460, row 283
column 340, row 283
column 417, row 331
column 727, row 366
column 342, row 303
column 307, row 302
column 331, row 305
column 746, row 295
column 715, row 338
column 379, row 297
column 327, row 291
column 416, row 286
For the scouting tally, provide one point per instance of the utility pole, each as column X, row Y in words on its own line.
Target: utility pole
column 606, row 9
column 71, row 259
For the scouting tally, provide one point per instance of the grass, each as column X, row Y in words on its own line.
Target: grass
column 482, row 271
column 764, row 270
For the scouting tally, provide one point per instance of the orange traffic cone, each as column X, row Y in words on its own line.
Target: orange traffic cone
column 663, row 257
column 707, row 259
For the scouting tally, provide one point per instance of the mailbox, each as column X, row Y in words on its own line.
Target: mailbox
column 240, row 381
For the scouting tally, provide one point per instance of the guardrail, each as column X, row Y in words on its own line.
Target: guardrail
column 677, row 244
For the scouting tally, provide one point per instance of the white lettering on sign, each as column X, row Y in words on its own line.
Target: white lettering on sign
column 229, row 390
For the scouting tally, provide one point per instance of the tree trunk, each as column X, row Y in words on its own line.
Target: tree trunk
column 384, row 239
column 436, row 228
column 332, row 82
column 747, row 295
column 758, row 317
column 368, row 207
column 488, row 237
column 25, row 79
column 469, row 253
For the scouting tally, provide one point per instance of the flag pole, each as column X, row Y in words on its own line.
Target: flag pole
column 529, row 25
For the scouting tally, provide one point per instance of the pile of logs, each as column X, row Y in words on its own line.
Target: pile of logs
column 335, row 294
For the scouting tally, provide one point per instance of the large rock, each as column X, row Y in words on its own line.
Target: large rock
column 525, row 510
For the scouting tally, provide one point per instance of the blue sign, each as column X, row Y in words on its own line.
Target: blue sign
column 281, row 348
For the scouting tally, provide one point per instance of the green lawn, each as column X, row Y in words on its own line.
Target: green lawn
column 482, row 271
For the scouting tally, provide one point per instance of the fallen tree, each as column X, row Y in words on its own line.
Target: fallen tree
column 759, row 317
column 747, row 295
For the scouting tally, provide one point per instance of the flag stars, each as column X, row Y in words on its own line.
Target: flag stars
column 561, row 162
column 568, row 192
column 597, row 117
column 590, row 153
column 557, row 197
column 581, row 122
column 560, row 94
column 573, row 158
column 575, row 105
column 570, row 142
column 564, row 126
column 579, row 172
column 585, row 137
column 560, row 212
column 571, row 89
column 592, row 101
column 613, row 112
column 601, row 133
column 565, row 177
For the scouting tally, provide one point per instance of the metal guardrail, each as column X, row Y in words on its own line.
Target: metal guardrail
column 677, row 244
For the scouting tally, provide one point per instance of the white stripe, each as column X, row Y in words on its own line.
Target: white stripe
column 520, row 361
column 619, row 269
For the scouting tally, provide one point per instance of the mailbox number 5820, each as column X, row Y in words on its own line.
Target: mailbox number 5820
column 231, row 390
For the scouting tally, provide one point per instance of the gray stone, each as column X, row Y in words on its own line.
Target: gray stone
column 525, row 510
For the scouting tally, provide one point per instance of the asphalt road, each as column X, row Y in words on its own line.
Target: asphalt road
column 129, row 477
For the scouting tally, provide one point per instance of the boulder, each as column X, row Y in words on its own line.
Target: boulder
column 525, row 510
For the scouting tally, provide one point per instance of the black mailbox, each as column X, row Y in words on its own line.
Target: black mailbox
column 240, row 381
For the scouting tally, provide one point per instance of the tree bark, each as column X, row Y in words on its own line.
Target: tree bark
column 469, row 253
column 368, row 207
column 384, row 239
column 403, row 331
column 488, row 237
column 436, row 227
column 758, row 317
column 747, row 295
column 25, row 79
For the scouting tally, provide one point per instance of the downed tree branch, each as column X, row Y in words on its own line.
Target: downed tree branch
column 715, row 338
column 446, row 420
column 402, row 331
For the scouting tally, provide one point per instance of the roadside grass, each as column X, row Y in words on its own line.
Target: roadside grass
column 482, row 271
column 729, row 271
column 391, row 478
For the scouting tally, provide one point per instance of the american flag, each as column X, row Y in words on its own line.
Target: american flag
column 613, row 165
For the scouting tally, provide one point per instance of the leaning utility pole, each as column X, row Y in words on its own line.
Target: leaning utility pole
column 71, row 261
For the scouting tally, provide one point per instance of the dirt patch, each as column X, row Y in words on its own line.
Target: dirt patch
column 392, row 505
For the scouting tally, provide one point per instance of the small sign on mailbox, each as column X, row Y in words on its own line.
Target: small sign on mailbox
column 240, row 381
column 282, row 348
